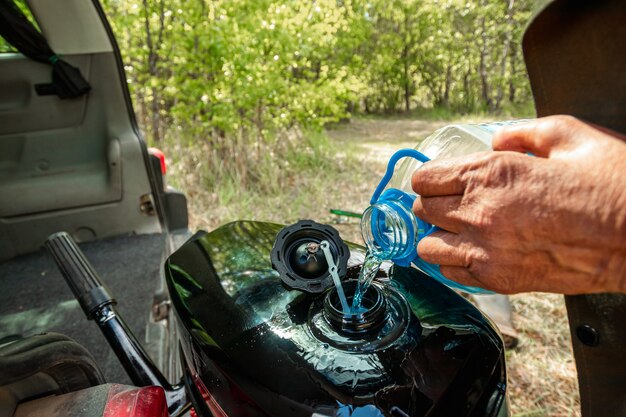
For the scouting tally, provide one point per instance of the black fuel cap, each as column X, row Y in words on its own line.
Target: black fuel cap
column 300, row 261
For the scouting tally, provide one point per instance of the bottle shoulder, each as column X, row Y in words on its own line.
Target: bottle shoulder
column 462, row 138
column 450, row 141
column 456, row 140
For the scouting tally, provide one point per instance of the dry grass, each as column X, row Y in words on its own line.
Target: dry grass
column 542, row 375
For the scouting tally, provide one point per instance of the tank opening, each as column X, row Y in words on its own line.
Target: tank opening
column 370, row 318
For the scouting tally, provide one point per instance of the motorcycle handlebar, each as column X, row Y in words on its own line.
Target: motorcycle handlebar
column 81, row 277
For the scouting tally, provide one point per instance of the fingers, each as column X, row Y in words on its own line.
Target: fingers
column 440, row 211
column 465, row 262
column 445, row 248
column 451, row 252
column 540, row 137
column 442, row 176
column 460, row 274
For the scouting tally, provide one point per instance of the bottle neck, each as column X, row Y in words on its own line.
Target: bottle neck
column 390, row 230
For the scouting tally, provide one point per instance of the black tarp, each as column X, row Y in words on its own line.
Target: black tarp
column 16, row 29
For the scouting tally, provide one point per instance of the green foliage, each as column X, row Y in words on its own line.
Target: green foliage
column 5, row 47
column 235, row 67
column 251, row 68
column 241, row 78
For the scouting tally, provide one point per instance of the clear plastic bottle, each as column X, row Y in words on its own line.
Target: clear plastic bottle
column 390, row 229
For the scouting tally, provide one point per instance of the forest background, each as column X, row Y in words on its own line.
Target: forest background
column 282, row 110
column 253, row 82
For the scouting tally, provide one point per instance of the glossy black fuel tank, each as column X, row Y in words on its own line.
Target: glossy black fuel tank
column 258, row 349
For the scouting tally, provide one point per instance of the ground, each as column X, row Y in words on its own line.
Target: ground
column 541, row 370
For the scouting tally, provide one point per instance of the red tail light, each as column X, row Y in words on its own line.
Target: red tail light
column 136, row 402
column 159, row 154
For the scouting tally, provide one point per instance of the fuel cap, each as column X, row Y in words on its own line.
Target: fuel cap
column 300, row 261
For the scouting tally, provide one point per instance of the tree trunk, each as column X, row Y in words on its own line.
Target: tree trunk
column 153, row 61
column 446, row 91
column 513, row 63
column 405, row 64
column 407, row 86
column 505, row 54
column 484, row 80
column 432, row 86
column 156, row 125
column 467, row 88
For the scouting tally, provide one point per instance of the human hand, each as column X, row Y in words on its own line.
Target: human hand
column 553, row 222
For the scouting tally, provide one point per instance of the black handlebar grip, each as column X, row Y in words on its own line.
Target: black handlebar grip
column 78, row 273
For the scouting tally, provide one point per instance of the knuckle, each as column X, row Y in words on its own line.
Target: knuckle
column 476, row 259
column 481, row 219
column 502, row 169
column 562, row 120
column 560, row 124
column 496, row 169
column 471, row 170
column 498, row 182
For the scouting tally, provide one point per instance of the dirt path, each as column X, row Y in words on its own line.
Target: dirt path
column 378, row 139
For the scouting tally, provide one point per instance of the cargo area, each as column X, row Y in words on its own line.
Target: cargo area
column 36, row 299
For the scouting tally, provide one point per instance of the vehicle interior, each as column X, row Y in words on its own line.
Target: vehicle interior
column 69, row 163
column 74, row 164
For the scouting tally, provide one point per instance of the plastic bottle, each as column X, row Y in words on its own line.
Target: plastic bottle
column 390, row 229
